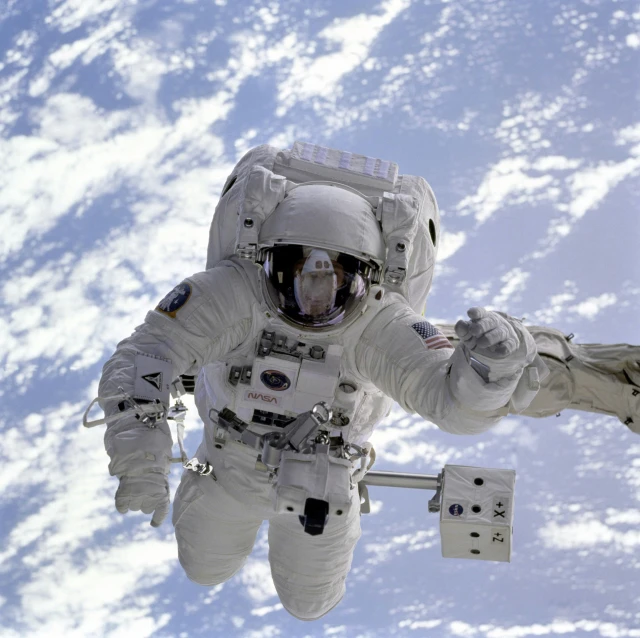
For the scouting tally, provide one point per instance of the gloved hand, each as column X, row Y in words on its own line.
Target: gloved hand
column 141, row 459
column 497, row 347
column 504, row 358
column 487, row 334
column 148, row 492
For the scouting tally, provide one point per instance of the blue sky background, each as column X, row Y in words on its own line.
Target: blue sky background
column 119, row 122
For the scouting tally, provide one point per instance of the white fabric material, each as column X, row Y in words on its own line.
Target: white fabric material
column 504, row 345
column 326, row 216
column 202, row 329
column 264, row 192
column 421, row 236
column 438, row 385
column 491, row 336
column 135, row 448
column 507, row 350
column 384, row 359
column 224, row 317
column 216, row 524
column 148, row 492
column 600, row 378
column 335, row 165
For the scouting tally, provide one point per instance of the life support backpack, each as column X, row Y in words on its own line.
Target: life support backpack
column 404, row 206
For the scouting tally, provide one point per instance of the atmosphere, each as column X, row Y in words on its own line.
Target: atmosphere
column 120, row 121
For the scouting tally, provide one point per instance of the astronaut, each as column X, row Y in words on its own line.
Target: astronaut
column 319, row 267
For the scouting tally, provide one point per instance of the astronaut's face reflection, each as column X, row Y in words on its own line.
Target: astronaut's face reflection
column 314, row 288
column 316, row 282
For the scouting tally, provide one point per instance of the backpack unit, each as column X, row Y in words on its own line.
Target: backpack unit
column 404, row 207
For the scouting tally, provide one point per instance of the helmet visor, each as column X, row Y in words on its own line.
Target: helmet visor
column 313, row 287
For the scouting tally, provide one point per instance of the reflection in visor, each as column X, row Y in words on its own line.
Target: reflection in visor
column 316, row 282
column 315, row 288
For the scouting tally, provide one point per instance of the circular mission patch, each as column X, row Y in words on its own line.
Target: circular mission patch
column 456, row 510
column 175, row 300
column 275, row 380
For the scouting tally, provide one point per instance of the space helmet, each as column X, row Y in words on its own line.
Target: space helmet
column 321, row 249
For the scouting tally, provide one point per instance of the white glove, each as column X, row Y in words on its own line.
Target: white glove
column 141, row 458
column 148, row 492
column 499, row 349
column 487, row 334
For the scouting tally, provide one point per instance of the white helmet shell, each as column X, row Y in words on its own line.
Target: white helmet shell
column 329, row 216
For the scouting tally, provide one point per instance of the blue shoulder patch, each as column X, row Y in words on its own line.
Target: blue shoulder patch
column 175, row 300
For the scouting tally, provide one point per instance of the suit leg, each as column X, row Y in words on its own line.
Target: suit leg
column 309, row 572
column 215, row 532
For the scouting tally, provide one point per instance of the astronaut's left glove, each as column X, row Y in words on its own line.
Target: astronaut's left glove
column 490, row 336
column 502, row 352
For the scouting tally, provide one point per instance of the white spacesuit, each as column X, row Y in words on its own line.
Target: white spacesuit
column 319, row 266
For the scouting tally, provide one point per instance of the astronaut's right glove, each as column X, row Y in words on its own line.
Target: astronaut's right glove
column 141, row 458
column 148, row 492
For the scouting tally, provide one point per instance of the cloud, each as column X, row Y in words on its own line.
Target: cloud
column 592, row 306
column 67, row 583
column 412, row 542
column 450, row 244
column 255, row 576
column 559, row 627
column 514, row 283
column 590, row 186
column 562, row 305
column 400, row 439
column 506, row 183
column 588, row 533
column 350, row 41
column 263, row 611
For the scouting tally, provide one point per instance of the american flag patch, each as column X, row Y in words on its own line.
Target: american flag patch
column 431, row 336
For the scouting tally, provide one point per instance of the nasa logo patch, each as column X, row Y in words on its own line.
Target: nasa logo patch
column 175, row 300
column 456, row 510
column 275, row 380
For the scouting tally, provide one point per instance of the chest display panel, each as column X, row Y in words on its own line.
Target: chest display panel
column 286, row 377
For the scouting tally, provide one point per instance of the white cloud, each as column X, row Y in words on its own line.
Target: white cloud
column 519, row 434
column 557, row 305
column 268, row 631
column 450, row 244
column 72, row 586
column 350, row 40
column 256, row 578
column 589, row 187
column 633, row 40
column 556, row 627
column 263, row 611
column 412, row 542
column 474, row 294
column 630, row 135
column 514, row 282
column 623, row 517
column 555, row 163
column 420, row 624
column 587, row 533
column 592, row 306
column 400, row 439
column 71, row 14
column 506, row 183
